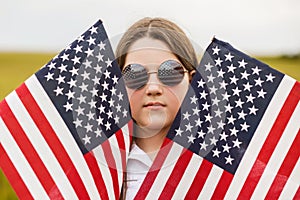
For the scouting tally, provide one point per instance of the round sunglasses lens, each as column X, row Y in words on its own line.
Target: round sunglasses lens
column 135, row 76
column 171, row 72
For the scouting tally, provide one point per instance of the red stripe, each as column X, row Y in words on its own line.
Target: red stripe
column 27, row 149
column 154, row 169
column 285, row 169
column 223, row 185
column 270, row 143
column 120, row 138
column 199, row 180
column 13, row 176
column 176, row 174
column 53, row 141
column 297, row 194
column 96, row 173
column 112, row 167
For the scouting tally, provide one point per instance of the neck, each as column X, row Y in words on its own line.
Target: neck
column 148, row 141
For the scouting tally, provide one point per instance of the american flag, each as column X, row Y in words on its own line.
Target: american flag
column 65, row 130
column 236, row 135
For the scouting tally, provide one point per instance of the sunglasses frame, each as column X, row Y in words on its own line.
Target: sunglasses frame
column 155, row 72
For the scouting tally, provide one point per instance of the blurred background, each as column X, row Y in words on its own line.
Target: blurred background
column 33, row 31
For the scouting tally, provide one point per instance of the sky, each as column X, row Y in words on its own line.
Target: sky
column 256, row 27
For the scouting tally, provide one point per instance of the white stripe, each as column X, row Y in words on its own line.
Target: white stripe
column 278, row 155
column 104, row 169
column 211, row 183
column 165, row 171
column 63, row 134
column 188, row 177
column 259, row 137
column 292, row 184
column 22, row 166
column 40, row 145
column 126, row 134
column 116, row 151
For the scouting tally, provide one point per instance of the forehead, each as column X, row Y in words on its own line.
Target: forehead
column 149, row 51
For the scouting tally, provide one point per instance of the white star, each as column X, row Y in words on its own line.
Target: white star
column 216, row 50
column 242, row 63
column 216, row 152
column 221, row 124
column 205, row 106
column 213, row 89
column 110, row 114
column 120, row 96
column 98, row 68
column 49, row 76
column 198, row 122
column 100, row 120
column 215, row 101
column 194, row 99
column 231, row 68
column 236, row 143
column 210, row 78
column 94, row 92
column 111, row 103
column 247, row 86
column 115, row 79
column 233, row 80
column 218, row 112
column 250, row 98
column 93, row 30
column 96, row 80
column 229, row 160
column 208, row 117
column 245, row 126
column 86, row 139
column 234, row 131
column 65, row 57
column 90, row 115
column 68, row 106
column 103, row 97
column 256, row 70
column 78, row 48
column 118, row 107
column 72, row 83
column 92, row 104
column 189, row 127
column 200, row 83
column 51, row 66
column 239, row 103
column 60, row 79
column 186, row 116
column 98, row 133
column 196, row 111
column 70, row 94
column 201, row 134
column 117, row 118
column 261, row 93
column 210, row 129
column 108, row 62
column 191, row 139
column 242, row 115
column 89, row 52
column 107, row 74
column 100, row 57
column 270, row 77
column 58, row 91
column 245, row 75
column 231, row 119
column 91, row 40
column 229, row 57
column 258, row 81
column 85, row 75
column 213, row 140
column 218, row 62
column 80, row 38
column 79, row 111
column 236, row 91
column 87, row 64
column 83, row 87
column 253, row 110
column 203, row 94
column 226, row 148
column 125, row 113
column 223, row 136
column 228, row 108
column 88, row 127
column 107, row 125
column 76, row 60
column 208, row 67
column 62, row 68
column 226, row 96
column 178, row 132
column 74, row 71
column 102, row 45
column 203, row 145
column 105, row 85
column 77, row 123
column 221, row 73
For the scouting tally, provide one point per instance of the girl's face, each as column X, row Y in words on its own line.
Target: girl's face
column 155, row 105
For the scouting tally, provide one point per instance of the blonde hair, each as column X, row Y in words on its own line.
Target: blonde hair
column 163, row 30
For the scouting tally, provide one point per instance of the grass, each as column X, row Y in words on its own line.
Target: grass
column 15, row 68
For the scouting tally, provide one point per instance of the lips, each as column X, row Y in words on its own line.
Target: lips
column 154, row 105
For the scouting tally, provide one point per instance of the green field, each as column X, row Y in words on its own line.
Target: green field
column 17, row 67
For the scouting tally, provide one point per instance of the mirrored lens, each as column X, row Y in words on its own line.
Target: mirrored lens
column 135, row 76
column 171, row 72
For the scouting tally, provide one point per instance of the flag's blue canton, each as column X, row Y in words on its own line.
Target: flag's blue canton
column 222, row 109
column 85, row 85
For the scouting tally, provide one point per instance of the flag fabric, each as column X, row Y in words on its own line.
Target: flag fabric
column 236, row 135
column 65, row 130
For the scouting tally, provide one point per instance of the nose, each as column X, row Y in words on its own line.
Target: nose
column 154, row 86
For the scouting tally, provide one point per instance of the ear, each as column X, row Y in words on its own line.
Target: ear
column 191, row 74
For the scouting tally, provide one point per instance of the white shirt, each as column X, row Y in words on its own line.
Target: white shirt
column 138, row 166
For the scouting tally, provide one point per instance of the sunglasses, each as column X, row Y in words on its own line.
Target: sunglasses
column 170, row 73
